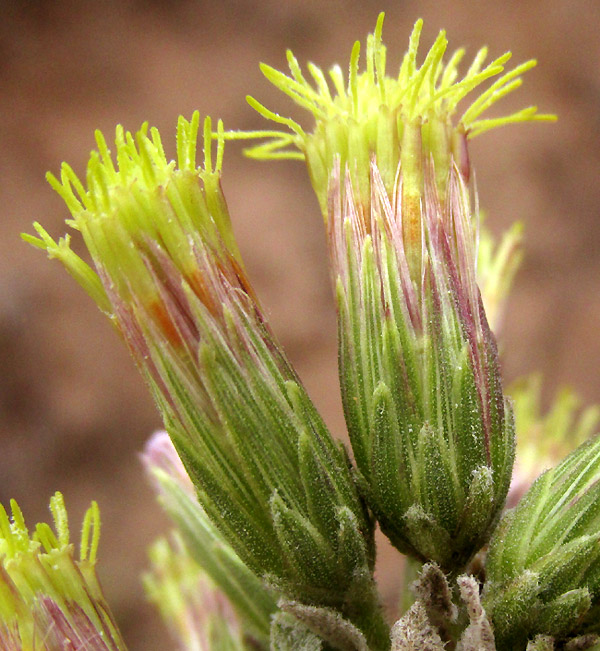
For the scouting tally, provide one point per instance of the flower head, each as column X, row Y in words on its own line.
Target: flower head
column 431, row 432
column 496, row 266
column 49, row 598
column 168, row 272
column 396, row 119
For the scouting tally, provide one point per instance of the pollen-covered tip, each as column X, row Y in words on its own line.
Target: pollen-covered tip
column 156, row 231
column 400, row 118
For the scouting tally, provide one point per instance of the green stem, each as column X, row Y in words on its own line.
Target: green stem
column 369, row 618
column 410, row 573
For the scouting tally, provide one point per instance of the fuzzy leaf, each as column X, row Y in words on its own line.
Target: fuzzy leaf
column 307, row 553
column 289, row 634
column 561, row 616
column 541, row 643
column 433, row 591
column 479, row 635
column 426, row 534
column 583, row 642
column 329, row 625
column 414, row 632
column 475, row 518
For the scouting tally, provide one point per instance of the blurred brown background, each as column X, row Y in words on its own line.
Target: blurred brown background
column 73, row 412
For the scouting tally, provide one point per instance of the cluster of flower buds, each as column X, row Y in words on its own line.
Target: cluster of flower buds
column 274, row 521
column 497, row 264
column 170, row 276
column 546, row 437
column 49, row 599
column 431, row 432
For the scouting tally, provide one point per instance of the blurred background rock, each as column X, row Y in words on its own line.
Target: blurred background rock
column 73, row 411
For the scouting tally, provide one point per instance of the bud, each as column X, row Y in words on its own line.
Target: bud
column 200, row 551
column 432, row 436
column 544, row 558
column 164, row 468
column 194, row 610
column 49, row 599
column 430, row 429
column 169, row 274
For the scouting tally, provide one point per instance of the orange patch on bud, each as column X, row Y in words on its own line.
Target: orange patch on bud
column 411, row 233
column 196, row 282
column 162, row 317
